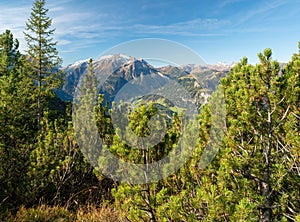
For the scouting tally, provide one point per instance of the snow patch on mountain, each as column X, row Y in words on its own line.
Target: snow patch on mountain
column 77, row 63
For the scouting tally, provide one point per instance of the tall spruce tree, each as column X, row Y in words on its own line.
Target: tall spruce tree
column 42, row 54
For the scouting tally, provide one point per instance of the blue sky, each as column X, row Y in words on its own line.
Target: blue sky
column 219, row 31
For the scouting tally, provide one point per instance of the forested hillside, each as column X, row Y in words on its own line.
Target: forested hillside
column 45, row 175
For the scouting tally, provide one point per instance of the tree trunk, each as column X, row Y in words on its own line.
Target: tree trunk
column 39, row 107
column 266, row 184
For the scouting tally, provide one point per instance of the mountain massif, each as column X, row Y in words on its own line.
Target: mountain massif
column 116, row 71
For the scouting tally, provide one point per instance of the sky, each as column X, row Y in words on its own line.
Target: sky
column 217, row 30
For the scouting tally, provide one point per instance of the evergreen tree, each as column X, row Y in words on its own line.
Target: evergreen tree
column 84, row 115
column 255, row 175
column 87, row 119
column 58, row 172
column 10, row 56
column 140, row 202
column 42, row 54
column 257, row 160
column 16, row 122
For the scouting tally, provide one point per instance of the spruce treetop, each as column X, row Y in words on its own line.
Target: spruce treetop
column 41, row 46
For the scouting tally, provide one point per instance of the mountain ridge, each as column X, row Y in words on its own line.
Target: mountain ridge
column 119, row 69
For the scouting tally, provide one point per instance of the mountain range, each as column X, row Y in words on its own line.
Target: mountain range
column 121, row 76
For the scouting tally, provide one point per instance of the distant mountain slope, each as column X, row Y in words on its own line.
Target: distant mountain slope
column 125, row 76
column 136, row 76
column 103, row 65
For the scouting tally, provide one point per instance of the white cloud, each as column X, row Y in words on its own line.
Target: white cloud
column 57, row 9
column 81, row 29
column 62, row 42
column 16, row 24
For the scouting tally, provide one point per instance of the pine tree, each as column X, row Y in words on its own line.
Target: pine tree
column 84, row 115
column 16, row 121
column 255, row 175
column 88, row 117
column 291, row 88
column 43, row 55
column 10, row 56
column 58, row 172
column 140, row 202
column 259, row 151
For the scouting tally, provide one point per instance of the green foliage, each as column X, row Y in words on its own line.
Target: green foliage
column 10, row 56
column 43, row 55
column 58, row 171
column 260, row 153
column 104, row 122
column 41, row 47
column 84, row 115
column 137, row 202
column 254, row 176
column 16, row 122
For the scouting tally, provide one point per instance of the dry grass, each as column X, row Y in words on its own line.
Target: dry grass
column 105, row 213
column 43, row 213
